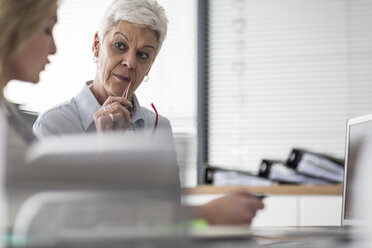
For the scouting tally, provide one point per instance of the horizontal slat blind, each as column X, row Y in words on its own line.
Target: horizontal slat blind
column 286, row 73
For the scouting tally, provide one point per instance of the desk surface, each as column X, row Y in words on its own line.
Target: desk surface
column 272, row 190
column 304, row 237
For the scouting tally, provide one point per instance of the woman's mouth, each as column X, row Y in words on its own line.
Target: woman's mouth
column 45, row 64
column 123, row 78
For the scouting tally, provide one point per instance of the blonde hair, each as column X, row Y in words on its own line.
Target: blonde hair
column 147, row 13
column 19, row 20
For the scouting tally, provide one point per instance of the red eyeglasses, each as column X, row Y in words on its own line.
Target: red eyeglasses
column 156, row 119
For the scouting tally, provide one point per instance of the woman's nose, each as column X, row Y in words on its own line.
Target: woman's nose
column 129, row 61
column 53, row 47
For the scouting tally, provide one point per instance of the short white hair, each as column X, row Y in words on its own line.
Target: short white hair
column 146, row 13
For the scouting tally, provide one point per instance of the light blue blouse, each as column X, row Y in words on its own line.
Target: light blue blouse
column 76, row 116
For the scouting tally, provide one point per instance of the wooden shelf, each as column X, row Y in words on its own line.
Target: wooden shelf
column 272, row 190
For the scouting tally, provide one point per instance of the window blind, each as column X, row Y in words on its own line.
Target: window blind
column 284, row 74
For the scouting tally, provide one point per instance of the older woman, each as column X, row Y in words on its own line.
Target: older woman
column 124, row 49
column 131, row 35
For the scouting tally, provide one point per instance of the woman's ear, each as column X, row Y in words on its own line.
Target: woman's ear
column 96, row 44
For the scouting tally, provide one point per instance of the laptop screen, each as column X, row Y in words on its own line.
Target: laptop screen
column 357, row 129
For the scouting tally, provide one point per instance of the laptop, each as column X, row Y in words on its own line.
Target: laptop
column 357, row 130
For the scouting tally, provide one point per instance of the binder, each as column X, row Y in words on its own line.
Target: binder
column 316, row 165
column 277, row 170
column 225, row 177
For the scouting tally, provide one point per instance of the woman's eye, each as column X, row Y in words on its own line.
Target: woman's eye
column 143, row 55
column 48, row 31
column 120, row 45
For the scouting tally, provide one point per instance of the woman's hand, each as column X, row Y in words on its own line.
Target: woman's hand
column 233, row 209
column 113, row 115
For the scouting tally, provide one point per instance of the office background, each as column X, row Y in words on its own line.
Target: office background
column 253, row 78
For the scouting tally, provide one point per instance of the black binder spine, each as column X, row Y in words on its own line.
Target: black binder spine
column 296, row 155
column 209, row 175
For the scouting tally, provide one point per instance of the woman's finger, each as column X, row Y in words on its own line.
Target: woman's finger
column 115, row 99
column 118, row 108
column 115, row 117
column 102, row 123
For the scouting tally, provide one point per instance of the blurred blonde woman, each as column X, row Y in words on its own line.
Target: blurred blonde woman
column 26, row 42
column 26, row 38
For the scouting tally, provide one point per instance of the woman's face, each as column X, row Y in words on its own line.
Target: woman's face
column 30, row 60
column 124, row 56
